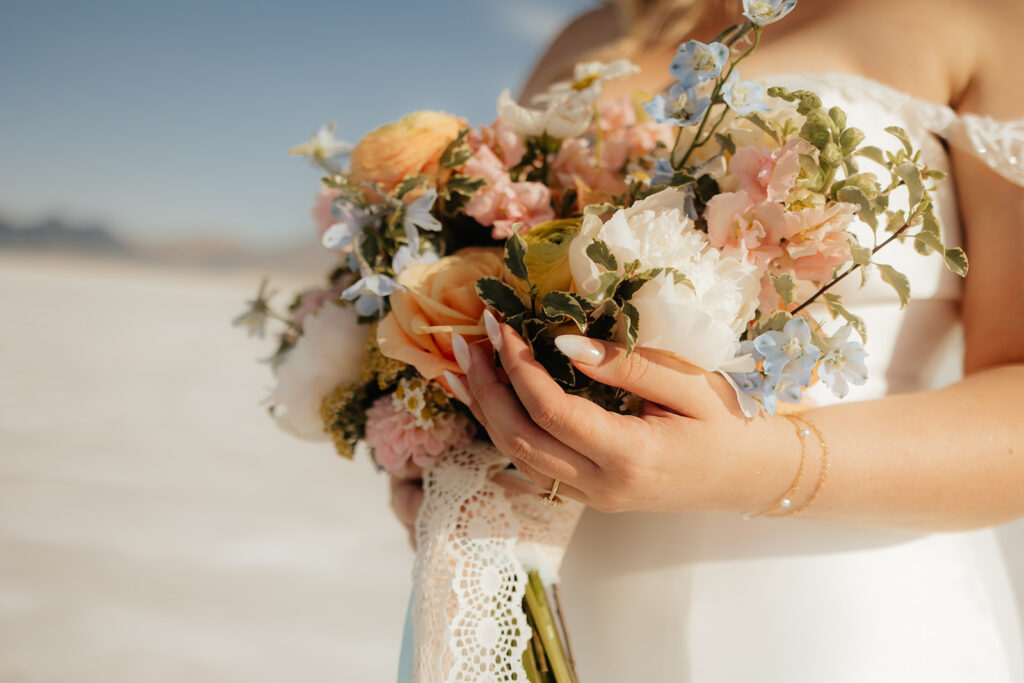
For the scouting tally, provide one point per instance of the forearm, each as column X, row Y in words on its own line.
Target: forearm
column 940, row 460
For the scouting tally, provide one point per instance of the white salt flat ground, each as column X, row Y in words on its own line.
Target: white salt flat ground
column 155, row 526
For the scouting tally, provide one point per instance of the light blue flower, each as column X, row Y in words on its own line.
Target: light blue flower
column 405, row 257
column 369, row 293
column 697, row 62
column 764, row 12
column 788, row 350
column 843, row 363
column 785, row 387
column 663, row 172
column 350, row 222
column 417, row 215
column 682, row 107
column 744, row 97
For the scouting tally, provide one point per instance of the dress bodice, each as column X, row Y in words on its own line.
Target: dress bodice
column 703, row 597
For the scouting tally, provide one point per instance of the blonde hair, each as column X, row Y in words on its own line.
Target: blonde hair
column 658, row 23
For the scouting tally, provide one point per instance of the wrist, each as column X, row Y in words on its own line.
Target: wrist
column 762, row 465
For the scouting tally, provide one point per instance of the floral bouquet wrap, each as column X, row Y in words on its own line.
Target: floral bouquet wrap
column 710, row 222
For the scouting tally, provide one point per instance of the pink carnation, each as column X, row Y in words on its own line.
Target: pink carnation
column 502, row 139
column 322, row 208
column 502, row 202
column 575, row 167
column 313, row 301
column 766, row 174
column 396, row 440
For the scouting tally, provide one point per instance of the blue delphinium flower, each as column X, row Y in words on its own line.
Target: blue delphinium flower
column 764, row 12
column 663, row 172
column 785, row 387
column 368, row 292
column 417, row 215
column 350, row 222
column 697, row 62
column 843, row 363
column 682, row 107
column 744, row 97
column 405, row 257
column 790, row 350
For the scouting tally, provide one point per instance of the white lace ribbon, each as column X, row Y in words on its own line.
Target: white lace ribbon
column 476, row 541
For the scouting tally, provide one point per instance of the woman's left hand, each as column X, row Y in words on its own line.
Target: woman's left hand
column 691, row 448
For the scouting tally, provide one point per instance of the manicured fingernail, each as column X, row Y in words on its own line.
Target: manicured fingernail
column 458, row 387
column 461, row 351
column 493, row 330
column 580, row 349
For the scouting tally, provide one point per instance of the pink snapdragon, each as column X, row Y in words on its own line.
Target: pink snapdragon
column 504, row 141
column 397, row 441
column 503, row 202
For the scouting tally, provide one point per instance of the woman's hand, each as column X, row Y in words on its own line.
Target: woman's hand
column 691, row 448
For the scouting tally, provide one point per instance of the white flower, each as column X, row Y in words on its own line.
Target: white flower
column 322, row 144
column 700, row 325
column 587, row 80
column 562, row 119
column 328, row 354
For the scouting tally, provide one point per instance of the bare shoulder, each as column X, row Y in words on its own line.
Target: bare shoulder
column 587, row 32
column 994, row 88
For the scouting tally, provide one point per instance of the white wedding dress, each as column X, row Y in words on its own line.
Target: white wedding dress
column 711, row 597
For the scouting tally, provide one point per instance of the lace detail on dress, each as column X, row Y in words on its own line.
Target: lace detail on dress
column 468, row 578
column 999, row 144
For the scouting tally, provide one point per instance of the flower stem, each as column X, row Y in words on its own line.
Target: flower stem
column 852, row 268
column 543, row 620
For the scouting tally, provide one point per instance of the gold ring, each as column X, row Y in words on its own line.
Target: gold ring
column 550, row 497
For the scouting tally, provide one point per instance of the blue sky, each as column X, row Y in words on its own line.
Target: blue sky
column 172, row 119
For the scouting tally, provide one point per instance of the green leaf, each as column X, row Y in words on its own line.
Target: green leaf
column 555, row 362
column 606, row 284
column 775, row 322
column 726, row 141
column 902, row 136
column 408, row 185
column 911, row 175
column 873, row 153
column 598, row 209
column 861, row 255
column 603, row 326
column 515, row 256
column 854, row 195
column 630, row 325
column 631, row 285
column 956, row 260
column 499, row 296
column 601, row 254
column 467, row 186
column 936, row 174
column 457, row 152
column 897, row 219
column 679, row 278
column 559, row 305
column 769, row 127
column 897, row 280
column 833, row 303
column 926, row 242
column 785, row 287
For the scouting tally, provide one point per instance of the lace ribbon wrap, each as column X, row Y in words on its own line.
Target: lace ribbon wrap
column 476, row 541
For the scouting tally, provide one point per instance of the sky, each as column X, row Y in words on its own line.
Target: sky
column 172, row 120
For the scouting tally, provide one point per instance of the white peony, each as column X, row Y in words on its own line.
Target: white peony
column 329, row 353
column 701, row 325
column 561, row 119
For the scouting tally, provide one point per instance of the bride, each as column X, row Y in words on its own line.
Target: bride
column 888, row 572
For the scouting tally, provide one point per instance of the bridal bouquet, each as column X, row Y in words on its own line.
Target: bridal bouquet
column 711, row 222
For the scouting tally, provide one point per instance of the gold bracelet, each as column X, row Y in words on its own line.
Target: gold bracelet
column 825, row 464
column 786, row 501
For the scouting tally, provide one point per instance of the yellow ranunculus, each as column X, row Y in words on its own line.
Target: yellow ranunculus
column 547, row 258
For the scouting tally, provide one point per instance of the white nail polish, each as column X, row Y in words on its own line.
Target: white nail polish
column 461, row 351
column 493, row 330
column 580, row 349
column 458, row 387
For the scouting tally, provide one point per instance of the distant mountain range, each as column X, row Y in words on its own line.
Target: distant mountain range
column 55, row 235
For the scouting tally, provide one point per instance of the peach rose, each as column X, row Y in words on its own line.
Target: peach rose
column 438, row 299
column 408, row 147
